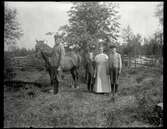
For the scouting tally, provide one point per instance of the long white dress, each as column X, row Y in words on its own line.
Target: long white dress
column 102, row 82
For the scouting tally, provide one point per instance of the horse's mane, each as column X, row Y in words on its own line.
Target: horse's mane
column 40, row 45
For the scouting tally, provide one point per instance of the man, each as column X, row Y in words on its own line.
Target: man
column 57, row 53
column 115, row 67
column 90, row 69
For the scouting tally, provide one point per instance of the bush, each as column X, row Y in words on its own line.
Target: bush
column 146, row 106
column 8, row 66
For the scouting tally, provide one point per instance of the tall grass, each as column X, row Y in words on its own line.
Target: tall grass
column 35, row 107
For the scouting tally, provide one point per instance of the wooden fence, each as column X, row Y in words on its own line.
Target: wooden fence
column 27, row 63
column 140, row 62
column 32, row 63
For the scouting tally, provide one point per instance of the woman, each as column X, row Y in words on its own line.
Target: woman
column 102, row 84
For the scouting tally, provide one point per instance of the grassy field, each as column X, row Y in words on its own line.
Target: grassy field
column 31, row 106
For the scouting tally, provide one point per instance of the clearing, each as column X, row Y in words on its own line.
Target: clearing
column 31, row 106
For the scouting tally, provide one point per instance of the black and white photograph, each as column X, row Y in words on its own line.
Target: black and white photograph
column 85, row 64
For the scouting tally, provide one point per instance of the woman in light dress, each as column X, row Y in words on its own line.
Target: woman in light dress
column 102, row 82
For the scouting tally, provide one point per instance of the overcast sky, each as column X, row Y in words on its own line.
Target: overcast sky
column 37, row 18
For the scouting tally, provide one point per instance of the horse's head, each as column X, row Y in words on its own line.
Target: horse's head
column 42, row 46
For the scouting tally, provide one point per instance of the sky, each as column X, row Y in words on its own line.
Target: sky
column 37, row 18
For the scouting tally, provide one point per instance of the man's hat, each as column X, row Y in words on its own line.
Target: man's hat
column 113, row 46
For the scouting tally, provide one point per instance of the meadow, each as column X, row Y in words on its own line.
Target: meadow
column 140, row 90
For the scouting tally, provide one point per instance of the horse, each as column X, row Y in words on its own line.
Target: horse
column 70, row 63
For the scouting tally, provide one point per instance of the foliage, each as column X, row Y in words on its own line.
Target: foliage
column 159, row 12
column 32, row 107
column 89, row 22
column 12, row 29
column 153, row 46
column 133, row 42
column 22, row 52
column 8, row 66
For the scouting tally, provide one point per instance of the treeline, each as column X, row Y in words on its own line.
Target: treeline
column 10, row 63
column 135, row 45
column 21, row 52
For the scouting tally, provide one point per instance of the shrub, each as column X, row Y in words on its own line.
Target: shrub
column 8, row 66
column 145, row 110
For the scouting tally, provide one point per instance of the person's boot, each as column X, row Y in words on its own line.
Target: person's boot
column 112, row 87
column 116, row 90
column 111, row 90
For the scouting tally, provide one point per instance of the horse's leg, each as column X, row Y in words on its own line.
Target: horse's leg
column 89, row 82
column 73, row 76
column 77, row 76
column 85, row 75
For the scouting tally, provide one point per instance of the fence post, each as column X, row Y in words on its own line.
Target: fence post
column 135, row 61
column 129, row 61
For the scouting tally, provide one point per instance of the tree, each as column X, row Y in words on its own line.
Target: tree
column 153, row 46
column 127, row 36
column 159, row 34
column 91, row 21
column 132, row 45
column 12, row 30
column 159, row 12
column 133, row 42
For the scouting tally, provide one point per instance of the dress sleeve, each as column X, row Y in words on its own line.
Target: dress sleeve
column 96, row 58
column 107, row 57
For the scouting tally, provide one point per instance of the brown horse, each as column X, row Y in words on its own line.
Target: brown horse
column 70, row 63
